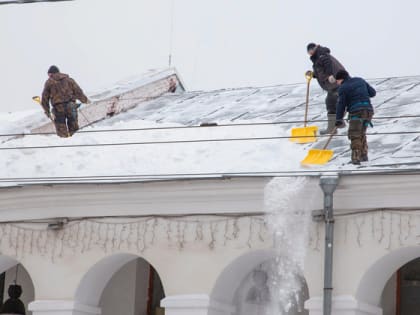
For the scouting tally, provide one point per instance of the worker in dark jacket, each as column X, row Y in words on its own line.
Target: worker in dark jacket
column 325, row 67
column 354, row 97
column 61, row 92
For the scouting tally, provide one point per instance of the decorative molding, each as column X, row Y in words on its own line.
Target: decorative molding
column 375, row 191
column 240, row 195
column 342, row 305
column 62, row 307
column 197, row 304
column 132, row 235
column 196, row 196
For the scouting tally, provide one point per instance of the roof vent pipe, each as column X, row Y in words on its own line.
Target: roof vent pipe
column 328, row 185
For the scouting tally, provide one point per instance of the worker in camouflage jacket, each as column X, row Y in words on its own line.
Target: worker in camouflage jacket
column 325, row 67
column 60, row 93
column 354, row 97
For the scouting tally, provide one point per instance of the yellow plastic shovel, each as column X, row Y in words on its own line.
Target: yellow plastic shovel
column 320, row 156
column 306, row 133
column 37, row 99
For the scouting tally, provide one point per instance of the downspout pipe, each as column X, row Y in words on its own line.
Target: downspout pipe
column 328, row 185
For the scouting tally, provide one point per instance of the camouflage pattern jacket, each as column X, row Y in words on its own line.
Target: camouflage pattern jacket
column 61, row 89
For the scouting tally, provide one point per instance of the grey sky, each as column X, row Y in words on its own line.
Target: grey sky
column 216, row 44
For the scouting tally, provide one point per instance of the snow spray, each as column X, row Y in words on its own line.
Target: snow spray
column 288, row 217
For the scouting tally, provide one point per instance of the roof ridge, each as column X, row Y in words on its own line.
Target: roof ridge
column 222, row 90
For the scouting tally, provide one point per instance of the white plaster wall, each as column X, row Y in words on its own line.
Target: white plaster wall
column 350, row 261
column 25, row 281
column 194, row 268
column 142, row 287
column 127, row 291
column 120, row 293
column 389, row 297
column 368, row 249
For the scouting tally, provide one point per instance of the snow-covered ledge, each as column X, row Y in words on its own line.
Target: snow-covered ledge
column 57, row 307
column 194, row 304
column 342, row 305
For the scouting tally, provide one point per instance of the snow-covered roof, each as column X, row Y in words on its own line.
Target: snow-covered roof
column 239, row 109
column 134, row 82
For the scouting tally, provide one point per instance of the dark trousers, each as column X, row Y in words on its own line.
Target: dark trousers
column 66, row 120
column 331, row 101
column 359, row 121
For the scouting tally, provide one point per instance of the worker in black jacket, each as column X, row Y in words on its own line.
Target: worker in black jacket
column 325, row 67
column 354, row 97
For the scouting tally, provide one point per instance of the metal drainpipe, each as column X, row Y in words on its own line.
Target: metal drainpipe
column 328, row 185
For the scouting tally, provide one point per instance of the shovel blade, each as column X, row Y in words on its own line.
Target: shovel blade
column 37, row 99
column 304, row 134
column 318, row 157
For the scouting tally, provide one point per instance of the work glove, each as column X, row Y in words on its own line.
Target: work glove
column 331, row 79
column 309, row 73
column 340, row 124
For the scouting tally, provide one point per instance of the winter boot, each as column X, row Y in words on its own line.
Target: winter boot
column 330, row 126
column 364, row 158
column 356, row 156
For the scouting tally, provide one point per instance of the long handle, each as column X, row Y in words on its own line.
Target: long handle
column 308, row 79
column 330, row 138
column 37, row 99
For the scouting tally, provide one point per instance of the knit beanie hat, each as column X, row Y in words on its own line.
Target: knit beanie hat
column 310, row 46
column 53, row 69
column 342, row 75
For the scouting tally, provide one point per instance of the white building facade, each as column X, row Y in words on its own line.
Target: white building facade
column 193, row 247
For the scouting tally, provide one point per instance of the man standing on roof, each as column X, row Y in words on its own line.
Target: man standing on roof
column 354, row 97
column 61, row 92
column 325, row 67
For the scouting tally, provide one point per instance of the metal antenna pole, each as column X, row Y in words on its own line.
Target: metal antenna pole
column 171, row 33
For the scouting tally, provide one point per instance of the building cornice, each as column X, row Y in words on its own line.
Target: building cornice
column 197, row 197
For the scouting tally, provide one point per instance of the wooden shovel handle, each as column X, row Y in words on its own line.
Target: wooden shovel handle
column 330, row 138
column 307, row 101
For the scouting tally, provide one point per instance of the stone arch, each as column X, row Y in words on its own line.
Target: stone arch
column 8, row 266
column 224, row 294
column 376, row 276
column 94, row 282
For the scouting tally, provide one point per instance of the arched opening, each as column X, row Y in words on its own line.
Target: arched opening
column 401, row 295
column 122, row 284
column 12, row 272
column 249, row 285
column 390, row 283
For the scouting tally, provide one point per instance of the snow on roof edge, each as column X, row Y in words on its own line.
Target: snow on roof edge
column 318, row 174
